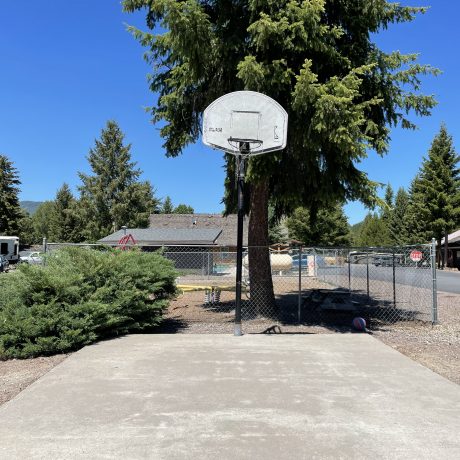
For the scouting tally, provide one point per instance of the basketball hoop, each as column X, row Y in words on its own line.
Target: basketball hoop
column 244, row 124
column 245, row 116
column 235, row 143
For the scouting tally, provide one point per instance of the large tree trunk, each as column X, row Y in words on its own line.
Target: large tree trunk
column 260, row 276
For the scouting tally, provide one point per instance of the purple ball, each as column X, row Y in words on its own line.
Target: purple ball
column 359, row 323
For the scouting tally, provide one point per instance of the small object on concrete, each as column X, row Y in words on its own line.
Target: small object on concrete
column 359, row 324
column 275, row 329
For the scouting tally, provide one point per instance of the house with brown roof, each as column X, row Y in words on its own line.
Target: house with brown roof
column 190, row 230
column 192, row 241
column 199, row 222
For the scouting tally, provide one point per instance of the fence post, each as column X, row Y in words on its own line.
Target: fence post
column 244, row 149
column 394, row 279
column 434, row 305
column 45, row 246
column 336, row 262
column 299, row 300
column 367, row 273
column 349, row 273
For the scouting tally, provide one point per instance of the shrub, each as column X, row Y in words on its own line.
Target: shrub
column 80, row 296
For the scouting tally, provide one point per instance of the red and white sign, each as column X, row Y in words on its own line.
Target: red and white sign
column 416, row 256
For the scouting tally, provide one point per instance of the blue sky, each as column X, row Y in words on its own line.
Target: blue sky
column 68, row 67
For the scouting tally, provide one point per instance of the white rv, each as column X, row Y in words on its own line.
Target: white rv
column 9, row 247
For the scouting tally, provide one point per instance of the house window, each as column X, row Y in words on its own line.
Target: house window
column 4, row 249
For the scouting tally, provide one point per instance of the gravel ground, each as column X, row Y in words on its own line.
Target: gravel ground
column 436, row 347
column 17, row 374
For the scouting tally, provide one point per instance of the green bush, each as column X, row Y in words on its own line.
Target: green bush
column 80, row 296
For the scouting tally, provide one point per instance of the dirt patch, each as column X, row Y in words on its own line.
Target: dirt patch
column 17, row 374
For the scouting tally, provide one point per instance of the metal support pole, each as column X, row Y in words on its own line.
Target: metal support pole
column 244, row 149
column 349, row 273
column 367, row 273
column 45, row 245
column 394, row 280
column 434, row 305
column 336, row 269
column 446, row 249
column 299, row 303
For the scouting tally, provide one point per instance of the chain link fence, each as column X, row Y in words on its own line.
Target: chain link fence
column 310, row 285
column 304, row 285
column 385, row 284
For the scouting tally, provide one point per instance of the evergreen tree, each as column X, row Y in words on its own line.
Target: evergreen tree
column 183, row 209
column 299, row 226
column 167, row 207
column 387, row 209
column 27, row 235
column 10, row 210
column 435, row 193
column 277, row 229
column 416, row 225
column 373, row 232
column 113, row 196
column 45, row 222
column 278, row 233
column 318, row 60
column 67, row 223
column 399, row 225
column 328, row 228
column 355, row 230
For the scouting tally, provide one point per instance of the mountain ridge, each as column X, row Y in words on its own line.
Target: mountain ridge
column 30, row 206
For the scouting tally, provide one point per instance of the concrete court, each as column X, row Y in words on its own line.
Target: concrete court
column 251, row 397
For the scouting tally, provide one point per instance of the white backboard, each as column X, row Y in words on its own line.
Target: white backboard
column 245, row 116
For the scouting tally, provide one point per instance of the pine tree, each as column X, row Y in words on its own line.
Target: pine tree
column 45, row 222
column 299, row 226
column 435, row 192
column 328, row 228
column 67, row 222
column 113, row 196
column 167, row 207
column 389, row 204
column 10, row 210
column 355, row 231
column 183, row 209
column 318, row 60
column 373, row 232
column 277, row 228
column 416, row 224
column 399, row 225
column 27, row 235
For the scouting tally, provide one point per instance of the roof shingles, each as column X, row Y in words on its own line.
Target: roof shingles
column 227, row 224
column 185, row 230
column 166, row 236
